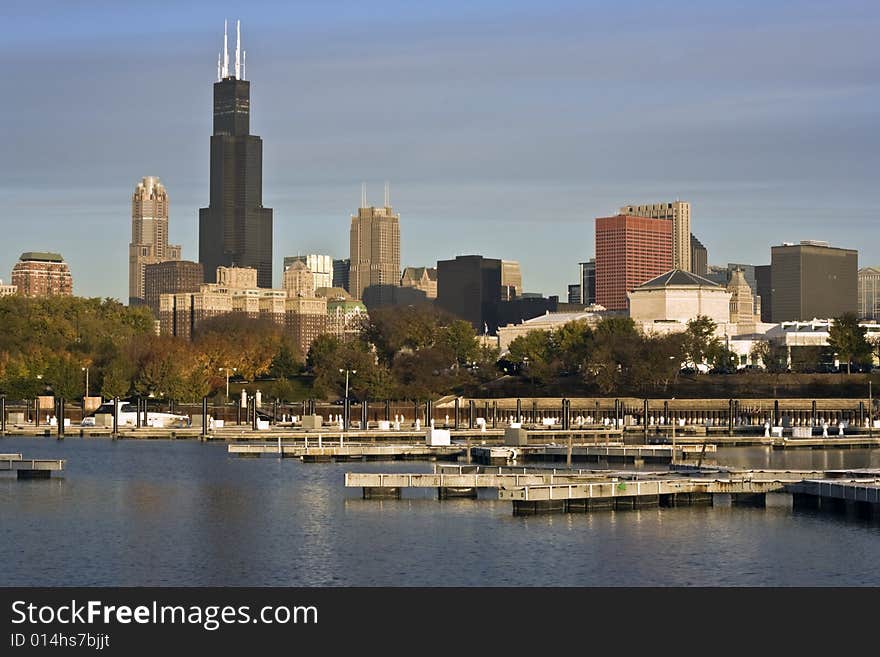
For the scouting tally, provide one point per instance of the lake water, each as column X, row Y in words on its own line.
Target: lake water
column 183, row 513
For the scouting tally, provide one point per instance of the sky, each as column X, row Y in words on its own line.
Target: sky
column 504, row 127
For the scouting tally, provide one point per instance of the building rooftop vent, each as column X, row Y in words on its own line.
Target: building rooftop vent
column 814, row 243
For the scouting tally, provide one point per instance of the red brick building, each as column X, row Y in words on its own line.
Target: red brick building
column 39, row 274
column 629, row 251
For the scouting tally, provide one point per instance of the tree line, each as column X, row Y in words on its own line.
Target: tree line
column 412, row 352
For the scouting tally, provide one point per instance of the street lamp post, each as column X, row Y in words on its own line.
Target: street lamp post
column 86, row 370
column 346, row 379
column 345, row 401
column 234, row 369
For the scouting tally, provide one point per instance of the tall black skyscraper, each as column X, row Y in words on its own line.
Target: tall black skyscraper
column 235, row 229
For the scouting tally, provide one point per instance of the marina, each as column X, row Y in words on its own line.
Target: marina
column 202, row 508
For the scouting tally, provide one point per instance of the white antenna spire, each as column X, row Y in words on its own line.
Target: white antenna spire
column 219, row 69
column 363, row 195
column 243, row 64
column 387, row 194
column 238, row 50
column 225, row 53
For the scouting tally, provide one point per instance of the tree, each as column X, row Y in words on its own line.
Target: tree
column 700, row 344
column 573, row 341
column 615, row 349
column 116, row 379
column 772, row 355
column 288, row 361
column 535, row 355
column 460, row 338
column 848, row 339
column 658, row 362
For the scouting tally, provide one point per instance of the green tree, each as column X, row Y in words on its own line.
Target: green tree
column 700, row 344
column 573, row 342
column 288, row 361
column 615, row 350
column 116, row 379
column 536, row 356
column 848, row 339
column 658, row 362
column 460, row 338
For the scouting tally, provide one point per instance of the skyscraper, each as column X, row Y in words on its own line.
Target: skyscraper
column 341, row 269
column 321, row 267
column 469, row 287
column 679, row 213
column 587, row 282
column 629, row 251
column 699, row 257
column 813, row 280
column 149, row 235
column 235, row 229
column 511, row 280
column 375, row 253
column 869, row 293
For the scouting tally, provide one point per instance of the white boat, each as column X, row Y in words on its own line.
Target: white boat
column 128, row 416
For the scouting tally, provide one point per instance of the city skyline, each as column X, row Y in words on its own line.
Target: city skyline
column 546, row 150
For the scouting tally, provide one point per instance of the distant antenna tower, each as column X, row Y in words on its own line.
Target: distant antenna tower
column 363, row 195
column 387, row 194
column 238, row 50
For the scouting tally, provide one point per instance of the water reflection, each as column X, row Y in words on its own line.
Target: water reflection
column 184, row 513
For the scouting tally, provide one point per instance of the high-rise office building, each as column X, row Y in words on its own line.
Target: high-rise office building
column 511, row 280
column 171, row 277
column 813, row 280
column 41, row 274
column 375, row 253
column 699, row 257
column 149, row 235
column 469, row 287
column 869, row 293
column 235, row 230
column 630, row 251
column 764, row 290
column 679, row 213
column 321, row 267
column 340, row 273
column 587, row 281
column 574, row 293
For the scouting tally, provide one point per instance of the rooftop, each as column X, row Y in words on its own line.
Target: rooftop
column 678, row 278
column 41, row 256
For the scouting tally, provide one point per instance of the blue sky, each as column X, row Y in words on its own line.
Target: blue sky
column 505, row 128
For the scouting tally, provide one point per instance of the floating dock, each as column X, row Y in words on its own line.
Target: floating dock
column 30, row 468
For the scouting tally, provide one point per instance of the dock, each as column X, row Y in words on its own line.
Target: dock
column 541, row 490
column 346, row 451
column 30, row 468
column 858, row 496
column 451, row 484
column 592, row 453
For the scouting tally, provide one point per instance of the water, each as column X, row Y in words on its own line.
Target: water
column 151, row 513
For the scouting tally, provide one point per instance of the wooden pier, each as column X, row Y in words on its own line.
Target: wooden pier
column 30, row 468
